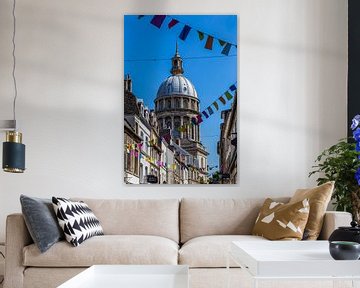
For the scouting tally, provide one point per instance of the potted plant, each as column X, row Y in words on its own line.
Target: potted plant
column 341, row 163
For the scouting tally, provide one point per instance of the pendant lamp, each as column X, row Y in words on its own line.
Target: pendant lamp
column 13, row 160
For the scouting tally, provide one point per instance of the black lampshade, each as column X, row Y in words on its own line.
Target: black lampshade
column 13, row 153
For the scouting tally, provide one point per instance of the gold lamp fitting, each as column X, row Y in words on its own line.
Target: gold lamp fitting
column 14, row 136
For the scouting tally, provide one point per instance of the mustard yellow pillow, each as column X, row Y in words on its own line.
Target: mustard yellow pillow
column 279, row 221
column 319, row 198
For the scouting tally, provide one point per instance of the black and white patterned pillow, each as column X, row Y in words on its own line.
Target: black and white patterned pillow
column 77, row 220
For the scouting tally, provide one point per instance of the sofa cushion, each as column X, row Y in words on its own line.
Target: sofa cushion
column 279, row 221
column 77, row 220
column 211, row 251
column 107, row 249
column 201, row 217
column 158, row 217
column 319, row 198
column 41, row 221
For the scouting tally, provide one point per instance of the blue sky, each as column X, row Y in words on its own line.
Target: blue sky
column 148, row 51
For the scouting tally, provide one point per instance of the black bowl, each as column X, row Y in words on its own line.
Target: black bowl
column 344, row 250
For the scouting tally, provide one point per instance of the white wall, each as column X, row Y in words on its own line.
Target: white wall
column 292, row 75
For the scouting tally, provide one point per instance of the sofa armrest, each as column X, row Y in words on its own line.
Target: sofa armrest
column 333, row 220
column 17, row 237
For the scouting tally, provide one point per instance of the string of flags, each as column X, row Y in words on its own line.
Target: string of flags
column 151, row 160
column 225, row 97
column 158, row 21
column 135, row 148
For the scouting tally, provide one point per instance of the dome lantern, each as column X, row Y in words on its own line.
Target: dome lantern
column 177, row 64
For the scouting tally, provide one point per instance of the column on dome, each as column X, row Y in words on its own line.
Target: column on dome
column 172, row 122
column 181, row 125
column 187, row 122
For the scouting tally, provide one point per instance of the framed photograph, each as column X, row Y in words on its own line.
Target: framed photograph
column 180, row 99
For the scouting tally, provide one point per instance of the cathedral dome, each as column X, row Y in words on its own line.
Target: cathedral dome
column 176, row 85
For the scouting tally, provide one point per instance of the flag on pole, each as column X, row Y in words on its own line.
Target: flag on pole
column 185, row 32
column 172, row 23
column 158, row 20
column 233, row 87
column 209, row 42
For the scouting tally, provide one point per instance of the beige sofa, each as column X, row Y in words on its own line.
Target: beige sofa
column 194, row 232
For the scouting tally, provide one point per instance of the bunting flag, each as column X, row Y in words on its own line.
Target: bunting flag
column 201, row 35
column 209, row 42
column 210, row 110
column 185, row 32
column 232, row 87
column 183, row 128
column 226, row 49
column 158, row 20
column 228, row 95
column 199, row 119
column 172, row 23
column 221, row 42
column 216, row 105
column 205, row 114
column 222, row 100
column 167, row 137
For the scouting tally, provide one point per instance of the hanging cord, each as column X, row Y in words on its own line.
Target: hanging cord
column 14, row 61
column 2, row 280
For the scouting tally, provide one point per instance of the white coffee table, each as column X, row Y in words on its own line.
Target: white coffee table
column 131, row 276
column 293, row 260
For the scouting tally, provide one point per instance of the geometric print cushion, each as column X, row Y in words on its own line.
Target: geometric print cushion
column 76, row 220
column 279, row 221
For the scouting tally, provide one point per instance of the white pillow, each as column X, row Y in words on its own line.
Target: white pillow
column 76, row 220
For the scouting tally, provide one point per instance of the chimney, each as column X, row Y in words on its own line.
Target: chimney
column 128, row 83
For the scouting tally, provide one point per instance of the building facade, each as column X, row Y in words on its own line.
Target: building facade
column 227, row 145
column 163, row 146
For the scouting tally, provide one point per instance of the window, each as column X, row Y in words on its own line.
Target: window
column 146, row 144
column 168, row 104
column 192, row 104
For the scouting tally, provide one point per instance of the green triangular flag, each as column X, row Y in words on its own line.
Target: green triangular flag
column 201, row 35
column 228, row 95
column 221, row 42
column 216, row 105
